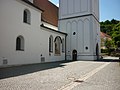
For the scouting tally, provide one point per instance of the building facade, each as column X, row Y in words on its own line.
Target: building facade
column 24, row 39
column 104, row 38
column 80, row 20
column 27, row 34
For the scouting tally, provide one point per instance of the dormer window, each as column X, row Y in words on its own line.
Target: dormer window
column 27, row 16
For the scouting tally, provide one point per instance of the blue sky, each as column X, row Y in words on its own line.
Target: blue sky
column 109, row 9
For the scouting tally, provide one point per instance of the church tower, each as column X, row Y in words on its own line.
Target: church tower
column 80, row 20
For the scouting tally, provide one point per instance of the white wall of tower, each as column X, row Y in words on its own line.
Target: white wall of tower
column 72, row 8
column 81, row 17
column 95, row 8
column 84, row 31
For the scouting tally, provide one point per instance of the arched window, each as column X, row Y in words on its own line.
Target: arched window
column 63, row 45
column 51, row 43
column 58, row 45
column 26, row 16
column 20, row 43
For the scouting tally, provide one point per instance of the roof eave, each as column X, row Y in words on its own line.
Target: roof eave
column 28, row 2
column 42, row 25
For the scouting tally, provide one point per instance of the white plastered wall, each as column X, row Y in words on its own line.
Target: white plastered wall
column 83, row 27
column 82, row 17
column 72, row 8
column 36, row 38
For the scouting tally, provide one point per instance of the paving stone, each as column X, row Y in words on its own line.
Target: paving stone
column 106, row 79
column 49, row 76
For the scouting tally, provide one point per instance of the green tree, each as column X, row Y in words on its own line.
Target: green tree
column 113, row 21
column 116, row 35
column 109, row 44
column 107, row 26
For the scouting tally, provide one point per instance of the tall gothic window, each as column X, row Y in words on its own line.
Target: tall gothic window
column 58, row 45
column 26, row 16
column 20, row 43
column 51, row 43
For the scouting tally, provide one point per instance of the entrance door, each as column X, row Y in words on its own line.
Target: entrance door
column 74, row 55
column 97, row 51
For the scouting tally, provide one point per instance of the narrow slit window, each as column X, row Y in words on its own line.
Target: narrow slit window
column 51, row 43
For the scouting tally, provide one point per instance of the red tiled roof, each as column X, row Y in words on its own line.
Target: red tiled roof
column 103, row 35
column 50, row 14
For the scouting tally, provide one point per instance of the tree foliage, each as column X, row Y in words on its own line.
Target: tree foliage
column 116, row 35
column 112, row 28
column 109, row 44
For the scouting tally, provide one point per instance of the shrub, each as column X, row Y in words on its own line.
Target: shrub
column 104, row 50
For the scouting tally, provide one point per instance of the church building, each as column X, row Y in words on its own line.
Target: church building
column 37, row 31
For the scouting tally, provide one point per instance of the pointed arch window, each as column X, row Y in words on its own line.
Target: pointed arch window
column 20, row 43
column 27, row 16
column 51, row 43
column 58, row 42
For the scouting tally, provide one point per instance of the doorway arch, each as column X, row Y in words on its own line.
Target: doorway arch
column 97, row 51
column 74, row 55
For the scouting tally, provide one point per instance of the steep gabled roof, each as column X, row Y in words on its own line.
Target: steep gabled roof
column 50, row 14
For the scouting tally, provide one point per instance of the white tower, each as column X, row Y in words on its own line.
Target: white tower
column 80, row 20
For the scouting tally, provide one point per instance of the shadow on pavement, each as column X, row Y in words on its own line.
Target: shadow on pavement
column 108, row 60
column 104, row 60
column 27, row 69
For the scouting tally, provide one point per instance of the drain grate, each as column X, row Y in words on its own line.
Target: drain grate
column 5, row 61
column 79, row 81
column 42, row 59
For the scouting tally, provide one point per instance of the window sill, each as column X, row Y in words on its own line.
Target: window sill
column 27, row 23
column 57, row 54
column 51, row 52
column 19, row 50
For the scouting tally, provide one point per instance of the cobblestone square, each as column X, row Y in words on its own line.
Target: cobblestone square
column 54, row 76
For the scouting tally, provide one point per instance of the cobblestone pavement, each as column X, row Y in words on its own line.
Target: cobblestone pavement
column 106, row 79
column 53, row 76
